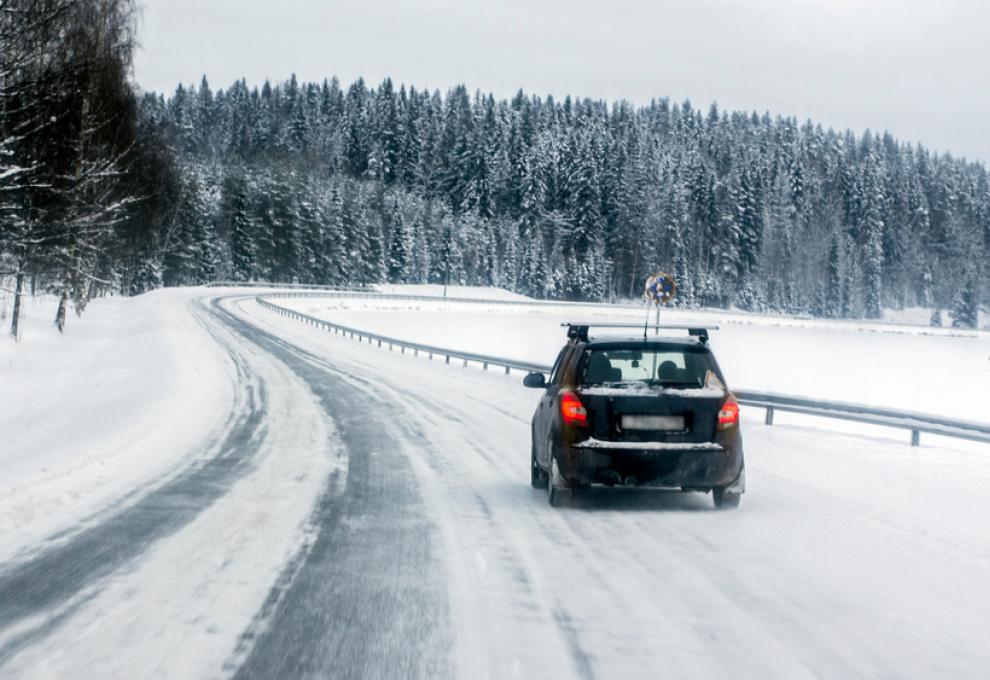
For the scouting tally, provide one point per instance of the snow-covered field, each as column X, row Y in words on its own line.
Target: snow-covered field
column 87, row 417
column 276, row 501
column 939, row 371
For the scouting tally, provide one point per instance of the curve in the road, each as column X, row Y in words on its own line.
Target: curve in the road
column 45, row 587
column 368, row 600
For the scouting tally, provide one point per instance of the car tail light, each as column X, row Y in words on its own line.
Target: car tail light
column 572, row 410
column 728, row 415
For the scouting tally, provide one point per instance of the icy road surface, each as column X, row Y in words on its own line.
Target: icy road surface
column 364, row 514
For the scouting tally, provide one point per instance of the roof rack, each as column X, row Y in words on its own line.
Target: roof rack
column 579, row 330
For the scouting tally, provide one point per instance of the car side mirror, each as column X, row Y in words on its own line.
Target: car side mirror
column 535, row 380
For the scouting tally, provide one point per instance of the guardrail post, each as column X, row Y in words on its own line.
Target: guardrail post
column 415, row 352
column 769, row 418
column 379, row 343
column 465, row 363
column 915, row 437
column 507, row 370
column 484, row 365
column 448, row 359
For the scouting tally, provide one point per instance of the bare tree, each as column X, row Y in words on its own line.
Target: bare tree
column 67, row 116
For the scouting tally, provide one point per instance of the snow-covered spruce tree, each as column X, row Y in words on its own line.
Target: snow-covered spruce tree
column 595, row 275
column 965, row 308
column 488, row 256
column 779, row 269
column 729, row 268
column 584, row 194
column 191, row 246
column 834, row 293
column 387, row 133
column 312, row 239
column 339, row 235
column 850, row 302
column 448, row 265
column 532, row 278
column 475, row 171
column 750, row 216
column 400, row 254
column 282, row 221
column 871, row 232
column 243, row 249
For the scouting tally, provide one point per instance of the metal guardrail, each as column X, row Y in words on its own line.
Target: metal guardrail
column 301, row 286
column 916, row 423
column 485, row 361
column 871, row 415
column 363, row 293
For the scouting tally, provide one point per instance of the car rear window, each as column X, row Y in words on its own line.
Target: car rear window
column 673, row 366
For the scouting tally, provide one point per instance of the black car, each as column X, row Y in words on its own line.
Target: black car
column 645, row 411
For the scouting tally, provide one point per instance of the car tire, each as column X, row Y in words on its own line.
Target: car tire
column 538, row 476
column 724, row 500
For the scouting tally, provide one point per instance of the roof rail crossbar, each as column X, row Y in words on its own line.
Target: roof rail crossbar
column 579, row 330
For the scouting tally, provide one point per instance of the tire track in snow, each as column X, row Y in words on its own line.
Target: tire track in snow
column 524, row 599
column 37, row 594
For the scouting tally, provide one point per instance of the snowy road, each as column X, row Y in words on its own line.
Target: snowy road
column 368, row 514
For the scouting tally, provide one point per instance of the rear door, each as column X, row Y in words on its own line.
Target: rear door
column 628, row 402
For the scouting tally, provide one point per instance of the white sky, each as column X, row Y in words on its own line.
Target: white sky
column 919, row 68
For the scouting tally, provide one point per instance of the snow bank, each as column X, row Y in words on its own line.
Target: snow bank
column 123, row 396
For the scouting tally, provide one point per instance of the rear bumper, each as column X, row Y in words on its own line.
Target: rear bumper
column 700, row 466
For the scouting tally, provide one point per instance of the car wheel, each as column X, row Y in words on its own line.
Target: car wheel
column 724, row 500
column 538, row 476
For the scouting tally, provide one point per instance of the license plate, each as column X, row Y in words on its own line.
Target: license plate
column 653, row 423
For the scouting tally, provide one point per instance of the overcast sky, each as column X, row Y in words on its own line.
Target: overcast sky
column 919, row 68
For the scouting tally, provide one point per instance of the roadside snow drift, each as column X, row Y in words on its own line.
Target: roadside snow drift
column 85, row 417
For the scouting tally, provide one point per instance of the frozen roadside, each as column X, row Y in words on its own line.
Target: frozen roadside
column 132, row 391
column 196, row 563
